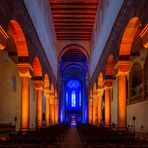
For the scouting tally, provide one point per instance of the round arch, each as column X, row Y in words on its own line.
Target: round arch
column 52, row 88
column 109, row 65
column 37, row 67
column 128, row 36
column 19, row 38
column 46, row 81
column 100, row 79
column 72, row 46
column 72, row 66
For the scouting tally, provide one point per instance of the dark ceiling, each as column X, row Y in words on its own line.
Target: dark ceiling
column 73, row 19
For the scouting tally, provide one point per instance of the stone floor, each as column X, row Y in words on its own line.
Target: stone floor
column 72, row 139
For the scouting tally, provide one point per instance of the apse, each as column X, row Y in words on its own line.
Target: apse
column 73, row 87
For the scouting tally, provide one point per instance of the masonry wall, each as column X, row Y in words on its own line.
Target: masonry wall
column 10, row 100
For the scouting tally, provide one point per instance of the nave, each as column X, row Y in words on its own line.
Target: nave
column 70, row 136
column 73, row 62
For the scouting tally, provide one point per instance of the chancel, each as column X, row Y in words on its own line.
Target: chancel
column 73, row 73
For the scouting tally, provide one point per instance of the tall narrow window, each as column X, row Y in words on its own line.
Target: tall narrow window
column 73, row 99
column 66, row 98
column 80, row 98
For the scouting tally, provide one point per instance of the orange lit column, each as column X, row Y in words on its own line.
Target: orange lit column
column 95, row 108
column 122, row 68
column 56, row 110
column 39, row 88
column 24, row 72
column 51, row 109
column 90, row 110
column 100, row 94
column 108, row 85
column 46, row 93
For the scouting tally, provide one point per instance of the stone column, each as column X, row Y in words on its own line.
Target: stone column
column 122, row 68
column 46, row 93
column 51, row 109
column 100, row 94
column 95, row 108
column 25, row 73
column 90, row 110
column 39, row 88
column 3, row 38
column 56, row 110
column 108, row 86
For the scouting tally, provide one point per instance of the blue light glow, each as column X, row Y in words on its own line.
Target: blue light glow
column 73, row 99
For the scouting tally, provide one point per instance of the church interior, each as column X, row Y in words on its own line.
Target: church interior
column 73, row 73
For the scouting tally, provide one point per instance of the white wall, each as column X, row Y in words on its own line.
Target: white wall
column 139, row 110
column 10, row 100
column 114, row 101
column 102, row 30
column 40, row 13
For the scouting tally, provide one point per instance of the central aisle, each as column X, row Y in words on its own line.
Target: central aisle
column 72, row 139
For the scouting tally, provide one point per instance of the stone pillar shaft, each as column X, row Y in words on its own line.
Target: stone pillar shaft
column 46, row 108
column 107, row 108
column 100, row 111
column 39, row 108
column 24, row 70
column 122, row 114
column 25, row 103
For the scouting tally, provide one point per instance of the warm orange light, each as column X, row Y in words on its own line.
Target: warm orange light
column 144, row 36
column 37, row 67
column 51, row 110
column 3, row 38
column 39, row 108
column 95, row 109
column 109, row 65
column 107, row 108
column 128, row 36
column 46, row 92
column 90, row 110
column 25, row 103
column 19, row 38
column 56, row 111
column 122, row 102
column 100, row 94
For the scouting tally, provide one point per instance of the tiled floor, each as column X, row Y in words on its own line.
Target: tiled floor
column 72, row 139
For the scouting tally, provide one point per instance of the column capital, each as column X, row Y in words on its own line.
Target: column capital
column 100, row 91
column 107, row 84
column 3, row 38
column 25, row 70
column 39, row 84
column 122, row 67
column 46, row 92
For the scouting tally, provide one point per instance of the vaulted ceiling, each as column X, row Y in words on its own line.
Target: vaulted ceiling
column 73, row 19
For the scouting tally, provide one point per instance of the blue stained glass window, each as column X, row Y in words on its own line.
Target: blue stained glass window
column 73, row 99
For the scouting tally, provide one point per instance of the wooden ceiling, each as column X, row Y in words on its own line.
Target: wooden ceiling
column 73, row 19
